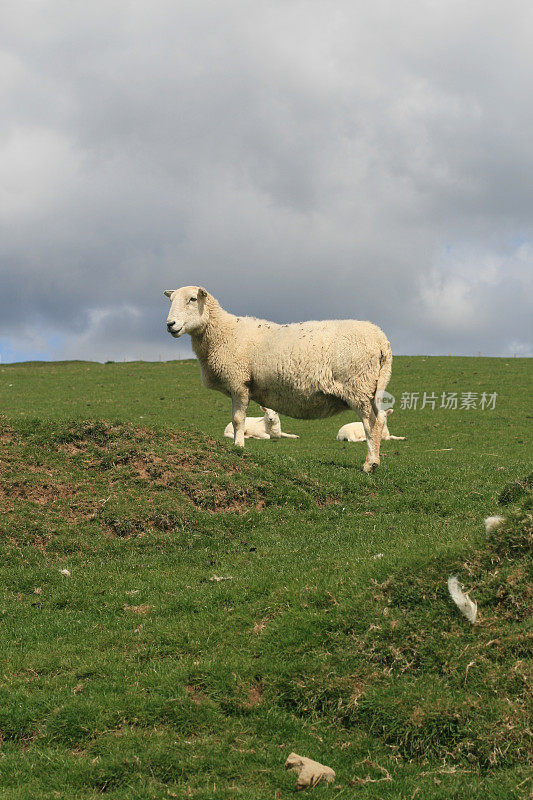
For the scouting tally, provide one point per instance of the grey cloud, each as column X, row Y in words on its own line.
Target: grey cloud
column 299, row 160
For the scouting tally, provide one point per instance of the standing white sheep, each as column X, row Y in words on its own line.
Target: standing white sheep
column 267, row 427
column 355, row 432
column 305, row 370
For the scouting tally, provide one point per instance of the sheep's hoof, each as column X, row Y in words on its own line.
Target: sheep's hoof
column 370, row 466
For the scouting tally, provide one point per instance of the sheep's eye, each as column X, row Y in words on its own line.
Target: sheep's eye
column 193, row 300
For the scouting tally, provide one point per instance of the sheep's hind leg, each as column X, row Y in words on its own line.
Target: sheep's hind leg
column 239, row 406
column 373, row 426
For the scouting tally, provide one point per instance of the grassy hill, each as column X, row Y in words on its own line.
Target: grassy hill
column 224, row 608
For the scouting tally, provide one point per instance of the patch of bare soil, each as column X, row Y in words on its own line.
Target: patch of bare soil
column 72, row 449
column 223, row 499
column 37, row 492
column 322, row 502
column 183, row 471
column 150, row 467
column 143, row 609
column 197, row 696
column 255, row 696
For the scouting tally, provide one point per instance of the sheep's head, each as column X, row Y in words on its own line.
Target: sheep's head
column 273, row 424
column 188, row 310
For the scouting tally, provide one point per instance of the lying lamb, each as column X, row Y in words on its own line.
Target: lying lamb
column 306, row 370
column 355, row 432
column 267, row 427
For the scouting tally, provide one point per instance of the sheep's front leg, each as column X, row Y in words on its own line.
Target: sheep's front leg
column 239, row 406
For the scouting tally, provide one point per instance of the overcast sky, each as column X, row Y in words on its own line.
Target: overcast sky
column 301, row 160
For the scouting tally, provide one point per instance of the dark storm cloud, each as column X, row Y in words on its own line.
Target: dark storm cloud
column 300, row 160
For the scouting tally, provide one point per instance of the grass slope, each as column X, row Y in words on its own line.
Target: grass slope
column 142, row 676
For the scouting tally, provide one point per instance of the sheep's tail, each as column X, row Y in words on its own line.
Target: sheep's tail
column 385, row 370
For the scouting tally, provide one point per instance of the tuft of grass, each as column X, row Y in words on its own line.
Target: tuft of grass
column 516, row 490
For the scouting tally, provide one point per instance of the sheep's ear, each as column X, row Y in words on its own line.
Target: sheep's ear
column 263, row 409
column 389, row 411
column 201, row 293
column 168, row 292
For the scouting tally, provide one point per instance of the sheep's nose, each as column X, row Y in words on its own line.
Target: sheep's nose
column 169, row 325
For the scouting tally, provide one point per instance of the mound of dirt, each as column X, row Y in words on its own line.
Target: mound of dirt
column 95, row 458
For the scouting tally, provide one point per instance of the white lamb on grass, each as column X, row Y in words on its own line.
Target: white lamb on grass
column 267, row 427
column 355, row 432
column 306, row 370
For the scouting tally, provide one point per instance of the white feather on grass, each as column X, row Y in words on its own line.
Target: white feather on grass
column 465, row 605
column 491, row 523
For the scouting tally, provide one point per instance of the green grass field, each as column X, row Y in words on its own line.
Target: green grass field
column 332, row 633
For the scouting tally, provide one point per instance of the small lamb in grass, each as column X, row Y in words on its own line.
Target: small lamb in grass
column 355, row 432
column 267, row 427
